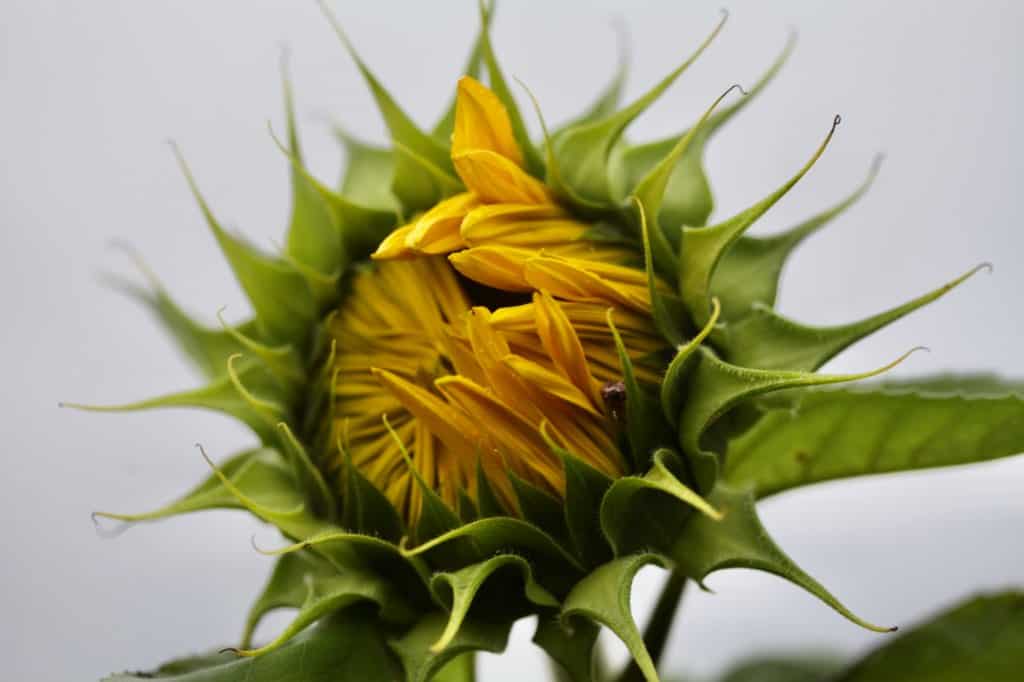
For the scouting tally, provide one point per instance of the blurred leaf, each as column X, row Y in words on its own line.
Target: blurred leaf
column 900, row 427
column 421, row 662
column 346, row 646
column 981, row 640
column 571, row 647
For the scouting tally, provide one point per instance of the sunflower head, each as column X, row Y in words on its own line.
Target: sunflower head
column 490, row 378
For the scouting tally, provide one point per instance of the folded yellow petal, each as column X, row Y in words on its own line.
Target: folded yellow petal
column 495, row 179
column 394, row 246
column 438, row 230
column 497, row 267
column 481, row 122
column 521, row 225
column 563, row 345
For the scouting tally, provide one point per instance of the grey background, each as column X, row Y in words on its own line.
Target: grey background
column 89, row 90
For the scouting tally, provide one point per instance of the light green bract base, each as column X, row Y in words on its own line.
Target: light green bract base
column 386, row 601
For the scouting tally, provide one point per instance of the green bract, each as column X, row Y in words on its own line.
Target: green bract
column 377, row 599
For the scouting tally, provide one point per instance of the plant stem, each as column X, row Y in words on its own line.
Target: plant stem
column 658, row 627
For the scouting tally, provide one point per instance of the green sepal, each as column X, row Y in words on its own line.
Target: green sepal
column 286, row 588
column 645, row 428
column 418, row 183
column 221, row 395
column 368, row 170
column 603, row 597
column 702, row 248
column 403, row 130
column 767, row 340
column 369, row 554
column 873, row 430
column 208, row 348
column 540, row 508
column 687, row 199
column 280, row 296
column 649, row 196
column 555, row 568
column 584, row 488
column 667, row 310
column 365, row 509
column 635, row 513
column 359, row 228
column 979, row 640
column 609, row 99
column 329, row 593
column 714, row 387
column 487, row 502
column 421, row 662
column 486, row 588
column 348, row 646
column 672, row 398
column 496, row 78
column 312, row 238
column 263, row 473
column 307, row 474
column 572, row 647
column 281, row 361
column 739, row 540
column 583, row 151
column 748, row 273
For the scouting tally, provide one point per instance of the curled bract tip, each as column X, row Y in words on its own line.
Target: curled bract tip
column 836, row 121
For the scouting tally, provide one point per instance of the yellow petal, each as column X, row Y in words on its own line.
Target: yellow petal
column 481, row 122
column 572, row 280
column 438, row 230
column 394, row 246
column 495, row 179
column 450, row 425
column 521, row 225
column 563, row 345
column 498, row 267
column 548, row 382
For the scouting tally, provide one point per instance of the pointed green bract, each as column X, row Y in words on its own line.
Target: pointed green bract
column 704, row 247
column 583, row 151
column 368, row 172
column 857, row 432
column 421, row 662
column 603, row 596
column 688, row 199
column 287, row 587
column 739, row 540
column 748, row 273
column 461, row 589
column 572, row 647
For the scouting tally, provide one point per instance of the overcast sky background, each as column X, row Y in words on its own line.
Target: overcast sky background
column 90, row 91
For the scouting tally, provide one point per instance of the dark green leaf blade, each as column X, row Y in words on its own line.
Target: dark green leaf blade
column 981, row 640
column 856, row 432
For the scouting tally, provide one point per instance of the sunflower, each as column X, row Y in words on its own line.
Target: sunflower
column 490, row 379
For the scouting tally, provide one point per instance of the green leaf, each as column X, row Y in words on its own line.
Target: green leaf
column 603, row 597
column 418, row 183
column 540, row 508
column 284, row 305
column 584, row 488
column 403, row 130
column 208, row 348
column 286, row 588
column 765, row 339
column 635, row 513
column 749, row 272
column 688, row 199
column 346, row 646
column 365, row 509
column 330, row 593
column 571, row 647
column 313, row 237
column 714, row 387
column 812, row 668
column 421, row 662
column 899, row 427
column 484, row 590
column 555, row 568
column 740, row 541
column 704, row 247
column 307, row 474
column 368, row 172
column 263, row 473
column 583, row 151
column 981, row 640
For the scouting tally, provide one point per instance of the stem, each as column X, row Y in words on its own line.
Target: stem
column 660, row 624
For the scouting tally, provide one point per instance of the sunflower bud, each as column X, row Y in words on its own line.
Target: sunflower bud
column 491, row 381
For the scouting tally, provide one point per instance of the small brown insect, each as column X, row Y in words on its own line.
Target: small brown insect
column 614, row 395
